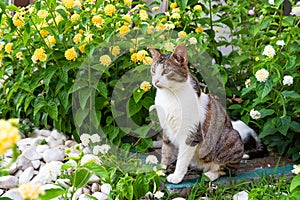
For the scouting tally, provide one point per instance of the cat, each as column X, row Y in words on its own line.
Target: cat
column 193, row 122
column 253, row 146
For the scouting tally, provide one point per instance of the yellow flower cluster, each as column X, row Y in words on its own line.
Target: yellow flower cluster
column 182, row 34
column 143, row 15
column 198, row 8
column 39, row 54
column 124, row 30
column 44, row 32
column 77, row 38
column 175, row 16
column 97, row 20
column 115, row 50
column 173, row 5
column 50, row 40
column 105, row 60
column 19, row 56
column 9, row 134
column 8, row 47
column 127, row 18
column 109, row 9
column 128, row 2
column 141, row 56
column 42, row 14
column 69, row 3
column 30, row 191
column 74, row 17
column 18, row 20
column 145, row 85
column 71, row 54
column 199, row 30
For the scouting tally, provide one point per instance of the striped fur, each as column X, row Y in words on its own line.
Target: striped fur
column 193, row 123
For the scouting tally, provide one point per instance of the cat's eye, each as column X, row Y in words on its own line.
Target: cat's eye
column 166, row 71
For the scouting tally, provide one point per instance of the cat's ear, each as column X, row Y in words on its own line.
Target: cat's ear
column 155, row 53
column 180, row 55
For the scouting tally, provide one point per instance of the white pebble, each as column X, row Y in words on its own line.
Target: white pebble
column 100, row 196
column 26, row 176
column 105, row 188
column 243, row 195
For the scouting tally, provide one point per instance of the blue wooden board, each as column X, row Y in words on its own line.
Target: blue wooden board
column 240, row 176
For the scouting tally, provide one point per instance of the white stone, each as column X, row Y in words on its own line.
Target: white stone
column 53, row 143
column 178, row 198
column 77, row 194
column 31, row 154
column 49, row 186
column 64, row 182
column 243, row 195
column 44, row 132
column 100, row 196
column 42, row 148
column 86, row 150
column 105, row 188
column 26, row 176
column 8, row 182
column 23, row 163
column 36, row 164
column 1, row 192
column 58, row 136
column 94, row 179
column 26, row 142
column 83, row 197
column 95, row 187
column 13, row 168
column 53, row 155
column 70, row 143
column 9, row 153
column 18, row 173
column 13, row 194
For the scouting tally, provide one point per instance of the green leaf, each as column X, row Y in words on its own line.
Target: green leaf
column 283, row 124
column 234, row 107
column 147, row 102
column 52, row 110
column 102, row 89
column 49, row 72
column 263, row 89
column 133, row 107
column 28, row 101
column 81, row 178
column 246, row 90
column 80, row 116
column 62, row 13
column 295, row 183
column 295, row 126
column 84, row 95
column 266, row 112
column 291, row 62
column 254, row 29
column 182, row 4
column 95, row 118
column 64, row 98
column 291, row 94
column 113, row 132
column 268, row 129
column 51, row 193
column 142, row 131
column 138, row 94
column 5, row 198
column 97, row 169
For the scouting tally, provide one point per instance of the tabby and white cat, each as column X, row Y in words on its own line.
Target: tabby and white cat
column 192, row 122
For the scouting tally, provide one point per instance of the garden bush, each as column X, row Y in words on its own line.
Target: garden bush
column 83, row 66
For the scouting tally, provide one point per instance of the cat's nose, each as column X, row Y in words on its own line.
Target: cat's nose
column 156, row 83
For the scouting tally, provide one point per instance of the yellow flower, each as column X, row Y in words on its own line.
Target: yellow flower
column 115, row 50
column 145, row 85
column 44, row 33
column 156, row 8
column 19, row 56
column 143, row 15
column 59, row 18
column 218, row 30
column 81, row 48
column 105, row 60
column 124, row 30
column 77, row 3
column 97, row 20
column 42, row 14
column 18, row 20
column 71, row 54
column 182, row 34
column 150, row 29
column 127, row 18
column 9, row 135
column 198, row 8
column 74, row 17
column 176, row 10
column 199, row 30
column 50, row 40
column 160, row 27
column 173, row 5
column 8, row 47
column 109, row 9
column 175, row 16
column 39, row 54
column 127, row 2
column 68, row 3
column 131, row 50
column 30, row 190
column 256, row 58
column 134, row 57
column 147, row 60
column 77, row 38
column 140, row 55
column 88, row 37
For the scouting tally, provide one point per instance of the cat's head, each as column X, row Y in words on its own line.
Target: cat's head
column 169, row 70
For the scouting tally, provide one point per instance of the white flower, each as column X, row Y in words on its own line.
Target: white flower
column 90, row 158
column 288, row 80
column 159, row 194
column 170, row 46
column 104, row 148
column 269, row 51
column 271, row 2
column 85, row 139
column 280, row 43
column 97, row 149
column 254, row 114
column 169, row 26
column 262, row 75
column 48, row 173
column 151, row 159
column 160, row 173
column 296, row 169
column 193, row 40
column 247, row 83
column 95, row 138
column 296, row 11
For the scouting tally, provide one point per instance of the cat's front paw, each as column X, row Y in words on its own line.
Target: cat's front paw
column 174, row 178
column 153, row 107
